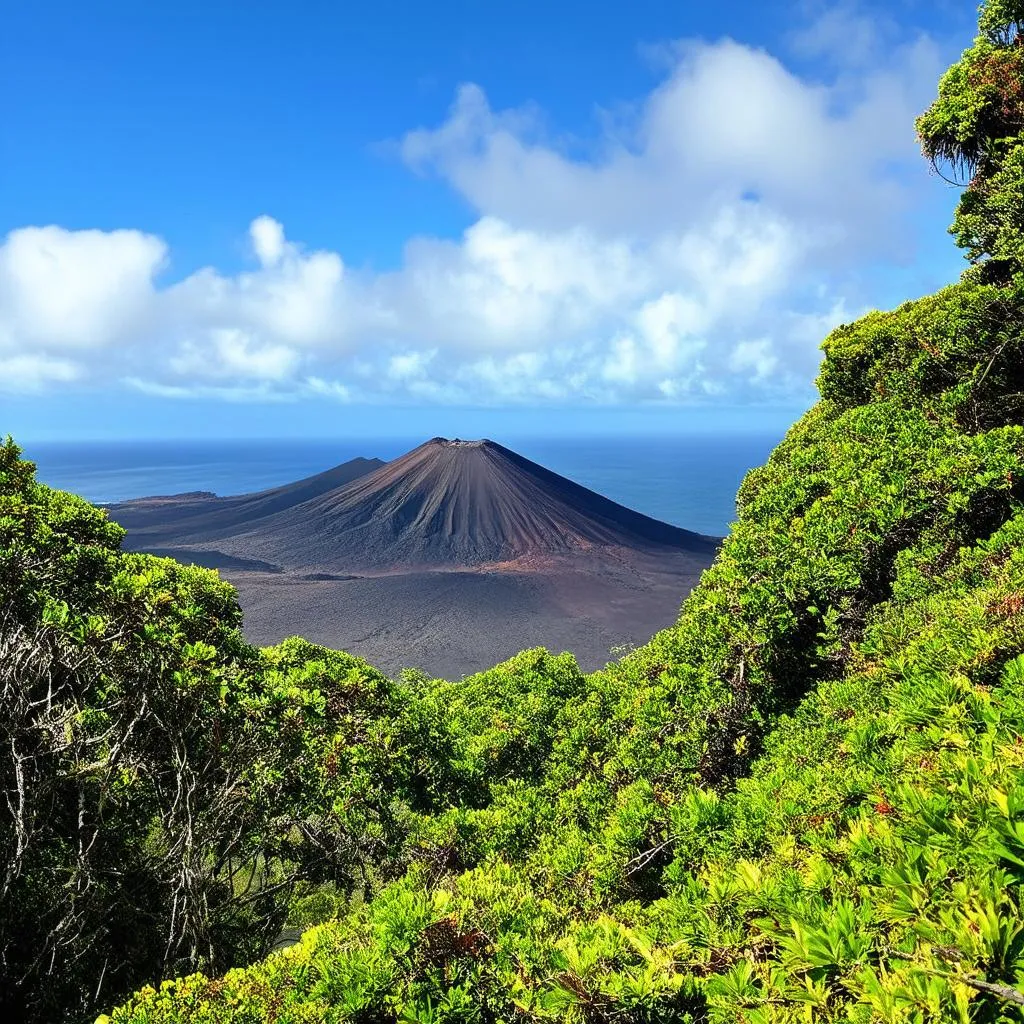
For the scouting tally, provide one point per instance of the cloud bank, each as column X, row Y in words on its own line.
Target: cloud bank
column 701, row 247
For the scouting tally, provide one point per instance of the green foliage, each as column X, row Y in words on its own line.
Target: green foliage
column 166, row 784
column 802, row 802
column 799, row 803
column 957, row 353
column 976, row 126
column 866, row 868
column 1001, row 21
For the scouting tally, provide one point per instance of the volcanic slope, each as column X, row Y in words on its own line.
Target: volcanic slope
column 183, row 519
column 450, row 558
column 455, row 504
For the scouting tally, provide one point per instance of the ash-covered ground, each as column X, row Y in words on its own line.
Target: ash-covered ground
column 449, row 559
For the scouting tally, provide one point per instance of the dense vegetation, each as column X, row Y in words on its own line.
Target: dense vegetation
column 803, row 802
column 165, row 784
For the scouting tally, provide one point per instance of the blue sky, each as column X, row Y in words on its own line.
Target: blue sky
column 315, row 219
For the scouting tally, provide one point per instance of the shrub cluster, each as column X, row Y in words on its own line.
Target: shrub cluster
column 802, row 802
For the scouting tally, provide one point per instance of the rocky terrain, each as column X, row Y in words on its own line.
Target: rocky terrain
column 449, row 558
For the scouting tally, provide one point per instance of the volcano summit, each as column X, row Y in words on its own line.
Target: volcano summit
column 453, row 556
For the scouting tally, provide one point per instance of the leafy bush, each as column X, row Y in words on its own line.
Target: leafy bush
column 802, row 802
column 166, row 784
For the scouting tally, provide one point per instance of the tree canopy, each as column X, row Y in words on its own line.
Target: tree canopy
column 804, row 801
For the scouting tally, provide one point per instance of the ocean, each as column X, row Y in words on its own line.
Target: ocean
column 689, row 480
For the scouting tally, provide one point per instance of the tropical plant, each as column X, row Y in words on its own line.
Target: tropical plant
column 804, row 801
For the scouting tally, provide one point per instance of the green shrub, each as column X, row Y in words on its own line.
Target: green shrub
column 802, row 802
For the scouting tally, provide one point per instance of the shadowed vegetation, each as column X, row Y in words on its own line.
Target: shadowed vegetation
column 802, row 802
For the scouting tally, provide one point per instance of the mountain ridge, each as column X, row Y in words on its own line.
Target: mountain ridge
column 448, row 503
column 205, row 514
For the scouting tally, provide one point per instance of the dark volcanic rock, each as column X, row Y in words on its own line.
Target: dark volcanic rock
column 452, row 557
column 453, row 504
column 201, row 516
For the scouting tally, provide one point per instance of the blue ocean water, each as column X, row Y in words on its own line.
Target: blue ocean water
column 688, row 480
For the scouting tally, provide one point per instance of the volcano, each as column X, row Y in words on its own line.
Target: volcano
column 202, row 516
column 450, row 557
column 452, row 504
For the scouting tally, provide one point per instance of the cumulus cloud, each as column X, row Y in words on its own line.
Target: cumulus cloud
column 728, row 121
column 267, row 240
column 27, row 373
column 702, row 248
column 66, row 290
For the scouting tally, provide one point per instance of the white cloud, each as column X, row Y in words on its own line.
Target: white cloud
column 32, row 373
column 728, row 120
column 757, row 357
column 66, row 290
column 702, row 251
column 329, row 388
column 409, row 365
column 622, row 364
column 267, row 237
column 845, row 35
column 226, row 393
column 294, row 298
column 231, row 353
column 673, row 325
